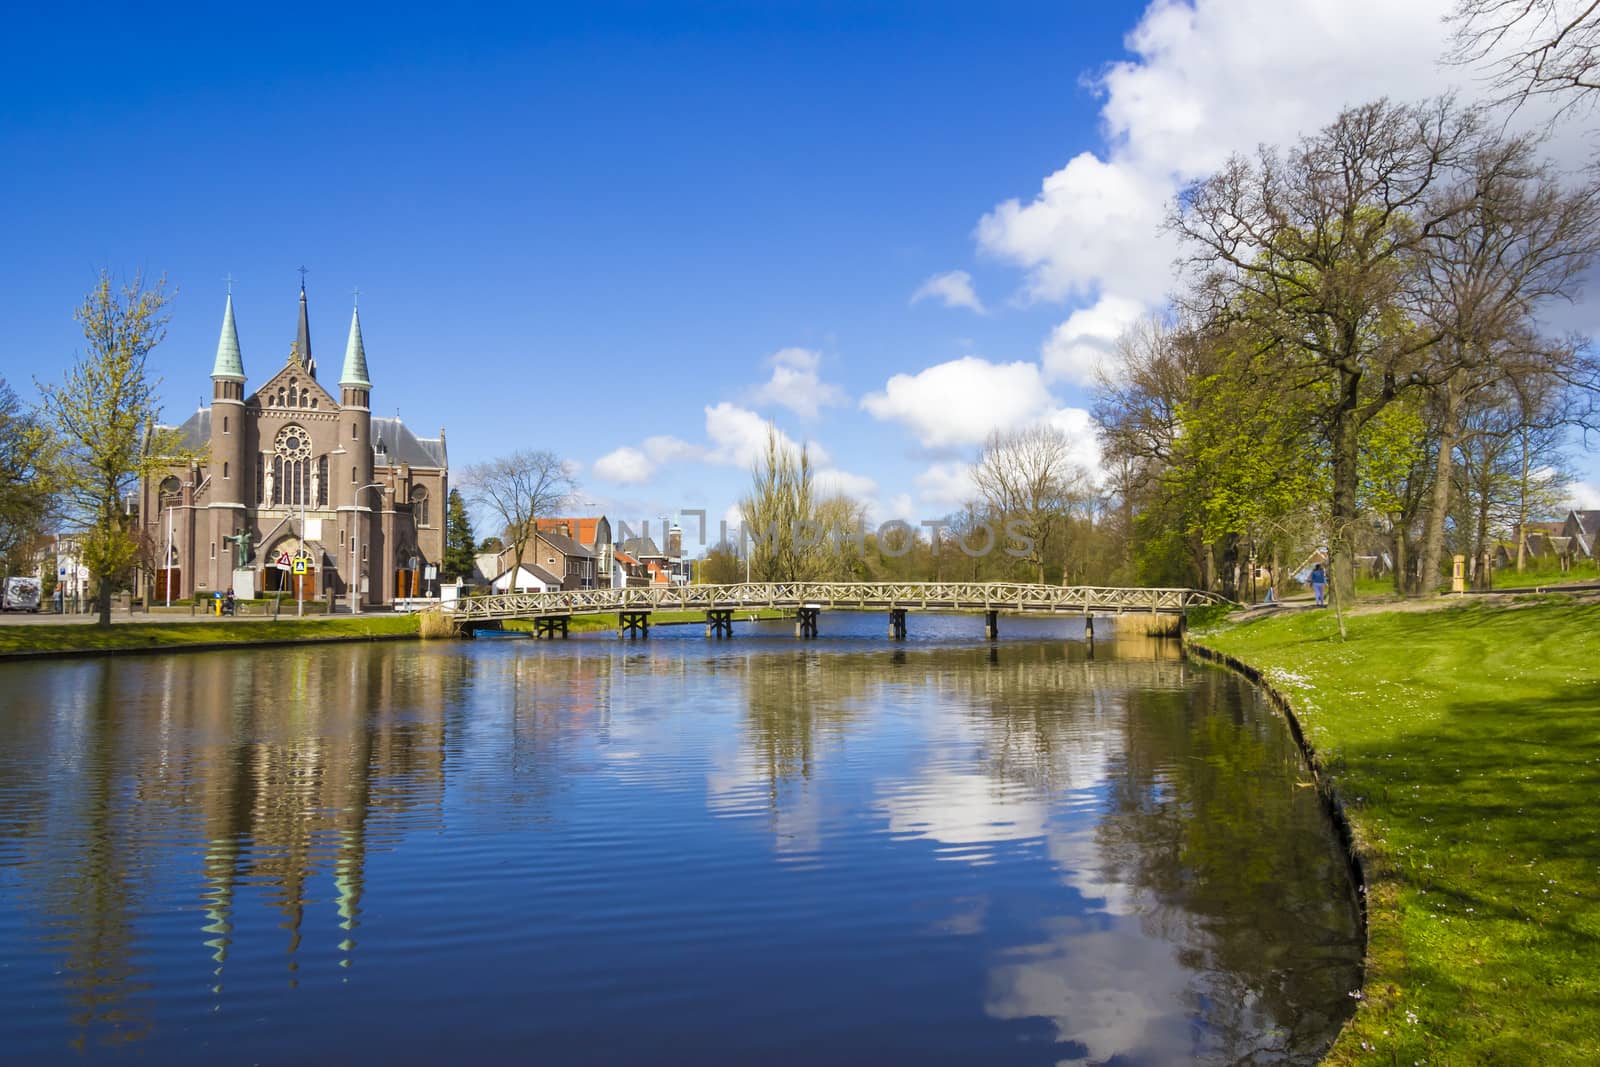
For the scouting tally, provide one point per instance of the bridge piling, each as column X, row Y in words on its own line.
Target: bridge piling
column 805, row 622
column 719, row 622
column 897, row 624
column 991, row 625
column 551, row 625
column 633, row 624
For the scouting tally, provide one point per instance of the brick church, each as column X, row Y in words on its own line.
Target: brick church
column 298, row 486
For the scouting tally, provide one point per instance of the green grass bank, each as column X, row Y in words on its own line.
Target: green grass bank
column 1465, row 746
column 151, row 636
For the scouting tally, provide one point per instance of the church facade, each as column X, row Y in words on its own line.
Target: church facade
column 297, row 490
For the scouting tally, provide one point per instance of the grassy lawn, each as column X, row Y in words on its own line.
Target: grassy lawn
column 80, row 637
column 608, row 621
column 1466, row 745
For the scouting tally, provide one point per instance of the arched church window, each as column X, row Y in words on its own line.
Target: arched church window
column 291, row 468
column 170, row 485
column 322, row 481
column 419, row 505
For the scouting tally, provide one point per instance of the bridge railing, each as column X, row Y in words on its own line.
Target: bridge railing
column 960, row 596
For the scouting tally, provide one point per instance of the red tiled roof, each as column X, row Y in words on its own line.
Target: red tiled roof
column 581, row 529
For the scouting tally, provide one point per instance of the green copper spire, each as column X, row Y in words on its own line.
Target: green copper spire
column 229, row 363
column 355, row 357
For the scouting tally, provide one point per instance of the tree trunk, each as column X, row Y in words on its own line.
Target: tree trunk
column 1346, row 475
column 1400, row 561
column 102, row 597
column 1433, row 529
column 1482, row 552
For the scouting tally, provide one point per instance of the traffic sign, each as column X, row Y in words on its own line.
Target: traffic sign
column 283, row 559
column 300, row 565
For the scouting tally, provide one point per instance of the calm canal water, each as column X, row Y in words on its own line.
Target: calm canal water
column 673, row 851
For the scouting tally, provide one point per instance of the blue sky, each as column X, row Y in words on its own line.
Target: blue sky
column 593, row 228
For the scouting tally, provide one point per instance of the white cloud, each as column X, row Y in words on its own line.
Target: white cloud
column 796, row 385
column 833, row 480
column 1080, row 429
column 667, row 449
column 634, row 466
column 1583, row 496
column 738, row 437
column 1208, row 79
column 961, row 402
column 1094, row 225
column 953, row 289
column 1081, row 346
column 947, row 484
column 624, row 466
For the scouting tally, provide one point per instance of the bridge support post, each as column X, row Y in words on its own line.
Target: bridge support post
column 719, row 622
column 551, row 625
column 897, row 623
column 633, row 624
column 991, row 625
column 805, row 622
column 1088, row 626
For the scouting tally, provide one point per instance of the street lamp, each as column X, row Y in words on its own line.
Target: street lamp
column 355, row 549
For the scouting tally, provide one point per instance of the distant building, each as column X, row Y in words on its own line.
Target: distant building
column 592, row 532
column 289, row 467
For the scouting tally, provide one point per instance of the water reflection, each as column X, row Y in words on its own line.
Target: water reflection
column 948, row 851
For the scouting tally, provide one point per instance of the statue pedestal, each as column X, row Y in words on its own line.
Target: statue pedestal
column 244, row 585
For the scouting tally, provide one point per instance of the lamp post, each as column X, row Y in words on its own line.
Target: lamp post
column 166, row 563
column 355, row 548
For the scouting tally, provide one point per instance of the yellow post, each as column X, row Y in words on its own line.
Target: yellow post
column 1458, row 575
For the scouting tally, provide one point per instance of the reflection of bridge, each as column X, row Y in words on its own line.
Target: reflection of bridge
column 722, row 603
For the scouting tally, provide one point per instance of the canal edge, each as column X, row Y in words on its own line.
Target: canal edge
column 31, row 655
column 1358, row 855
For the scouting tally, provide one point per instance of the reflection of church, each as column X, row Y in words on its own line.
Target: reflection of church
column 294, row 485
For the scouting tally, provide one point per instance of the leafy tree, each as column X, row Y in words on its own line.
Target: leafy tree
column 459, row 547
column 105, row 414
column 26, row 479
column 722, row 565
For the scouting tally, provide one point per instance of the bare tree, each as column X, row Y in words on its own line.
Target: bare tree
column 1514, row 236
column 1533, row 48
column 1312, row 250
column 1030, row 475
column 519, row 490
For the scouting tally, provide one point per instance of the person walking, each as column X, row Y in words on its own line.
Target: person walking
column 1319, row 585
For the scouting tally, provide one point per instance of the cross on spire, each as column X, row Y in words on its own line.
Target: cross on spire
column 303, row 273
column 355, row 296
column 229, row 279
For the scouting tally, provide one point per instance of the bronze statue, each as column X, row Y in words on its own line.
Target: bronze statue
column 241, row 548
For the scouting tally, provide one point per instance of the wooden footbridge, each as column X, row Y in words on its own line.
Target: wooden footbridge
column 722, row 604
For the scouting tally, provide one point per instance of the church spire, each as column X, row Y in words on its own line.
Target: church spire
column 229, row 363
column 355, row 356
column 302, row 341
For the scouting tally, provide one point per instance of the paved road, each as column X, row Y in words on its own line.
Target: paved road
column 163, row 615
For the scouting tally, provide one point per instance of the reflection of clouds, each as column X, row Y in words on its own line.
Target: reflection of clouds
column 1078, row 856
column 966, row 811
column 1108, row 991
column 740, row 786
